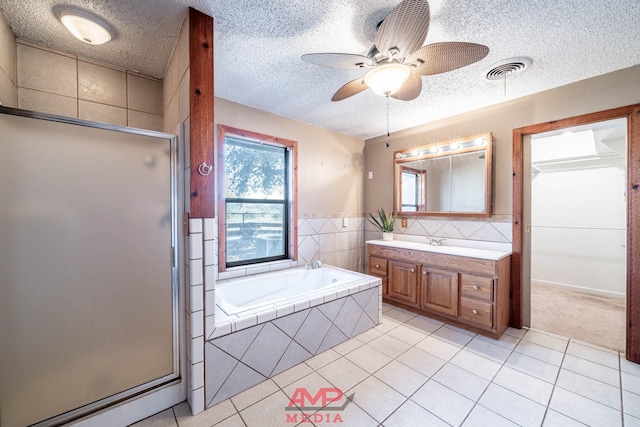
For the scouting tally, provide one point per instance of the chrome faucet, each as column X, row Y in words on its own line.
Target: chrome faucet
column 316, row 264
column 435, row 242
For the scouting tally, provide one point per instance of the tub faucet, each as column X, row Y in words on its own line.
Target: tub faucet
column 435, row 242
column 316, row 264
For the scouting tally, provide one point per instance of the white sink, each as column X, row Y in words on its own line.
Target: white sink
column 491, row 251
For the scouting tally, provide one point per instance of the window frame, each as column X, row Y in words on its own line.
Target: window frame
column 421, row 187
column 291, row 198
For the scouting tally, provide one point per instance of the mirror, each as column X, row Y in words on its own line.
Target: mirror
column 451, row 178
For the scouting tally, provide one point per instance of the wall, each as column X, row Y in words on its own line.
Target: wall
column 578, row 229
column 8, row 79
column 596, row 94
column 55, row 82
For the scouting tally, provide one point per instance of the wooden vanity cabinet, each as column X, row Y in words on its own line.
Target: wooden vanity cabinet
column 378, row 268
column 403, row 282
column 439, row 291
column 472, row 293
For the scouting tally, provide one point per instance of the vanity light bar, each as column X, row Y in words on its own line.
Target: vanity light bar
column 443, row 148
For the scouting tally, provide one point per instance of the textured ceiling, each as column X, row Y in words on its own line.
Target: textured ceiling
column 258, row 44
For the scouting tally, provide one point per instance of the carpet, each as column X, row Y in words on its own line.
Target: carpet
column 591, row 318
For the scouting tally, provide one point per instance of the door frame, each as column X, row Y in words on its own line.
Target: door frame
column 632, row 114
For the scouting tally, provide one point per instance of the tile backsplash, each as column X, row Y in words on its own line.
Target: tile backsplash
column 482, row 230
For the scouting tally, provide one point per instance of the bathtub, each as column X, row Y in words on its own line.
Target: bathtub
column 240, row 295
column 267, row 323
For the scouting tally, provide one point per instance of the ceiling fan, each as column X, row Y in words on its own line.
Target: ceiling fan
column 397, row 61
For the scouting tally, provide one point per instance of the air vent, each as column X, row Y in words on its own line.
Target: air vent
column 507, row 67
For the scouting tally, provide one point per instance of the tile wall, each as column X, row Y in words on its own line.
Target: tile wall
column 55, row 82
column 243, row 359
column 480, row 230
column 8, row 68
column 198, row 242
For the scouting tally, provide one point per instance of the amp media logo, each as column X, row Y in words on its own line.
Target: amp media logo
column 324, row 406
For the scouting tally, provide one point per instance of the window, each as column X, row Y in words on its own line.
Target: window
column 413, row 185
column 257, row 184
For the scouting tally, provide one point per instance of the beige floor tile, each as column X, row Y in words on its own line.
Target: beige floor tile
column 437, row 347
column 410, row 414
column 590, row 388
column 443, row 402
column 254, row 394
column 389, row 345
column 462, row 381
column 584, row 410
column 513, row 406
column 408, row 334
column 530, row 387
column 423, row 362
column 343, row 374
column 368, row 358
column 376, row 398
column 234, row 421
column 401, row 377
column 292, row 374
column 324, row 358
column 348, row 346
column 162, row 419
column 269, row 412
column 209, row 417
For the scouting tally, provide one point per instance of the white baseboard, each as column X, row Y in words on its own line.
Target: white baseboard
column 598, row 292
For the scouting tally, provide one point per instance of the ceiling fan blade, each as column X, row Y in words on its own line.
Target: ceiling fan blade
column 410, row 89
column 442, row 57
column 405, row 28
column 340, row 61
column 352, row 88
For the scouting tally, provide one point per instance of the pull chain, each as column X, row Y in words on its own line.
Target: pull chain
column 386, row 144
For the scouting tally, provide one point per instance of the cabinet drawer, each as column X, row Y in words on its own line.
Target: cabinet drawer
column 476, row 312
column 477, row 287
column 378, row 266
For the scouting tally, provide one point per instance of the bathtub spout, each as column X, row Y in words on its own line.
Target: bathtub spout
column 316, row 264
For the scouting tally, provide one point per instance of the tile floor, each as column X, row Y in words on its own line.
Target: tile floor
column 415, row 371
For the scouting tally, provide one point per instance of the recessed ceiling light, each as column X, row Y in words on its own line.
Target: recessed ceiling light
column 85, row 27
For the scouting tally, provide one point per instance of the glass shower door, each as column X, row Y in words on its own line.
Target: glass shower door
column 88, row 286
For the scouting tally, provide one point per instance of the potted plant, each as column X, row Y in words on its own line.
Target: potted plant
column 384, row 223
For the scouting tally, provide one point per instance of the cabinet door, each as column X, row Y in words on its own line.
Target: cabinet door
column 439, row 289
column 403, row 282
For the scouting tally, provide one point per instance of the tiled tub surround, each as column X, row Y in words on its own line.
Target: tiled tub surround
column 254, row 345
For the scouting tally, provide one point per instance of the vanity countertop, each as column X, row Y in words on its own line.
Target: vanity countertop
column 471, row 252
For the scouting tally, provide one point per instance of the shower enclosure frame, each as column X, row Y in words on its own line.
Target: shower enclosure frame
column 168, row 388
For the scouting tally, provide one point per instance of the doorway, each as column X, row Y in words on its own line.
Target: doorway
column 576, row 236
column 520, row 288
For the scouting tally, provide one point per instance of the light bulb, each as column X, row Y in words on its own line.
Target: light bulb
column 387, row 79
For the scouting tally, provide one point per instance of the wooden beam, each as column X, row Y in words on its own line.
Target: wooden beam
column 201, row 112
column 633, row 236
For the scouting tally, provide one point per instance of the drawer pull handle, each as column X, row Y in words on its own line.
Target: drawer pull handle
column 474, row 311
column 424, row 272
column 377, row 265
column 413, row 270
column 476, row 287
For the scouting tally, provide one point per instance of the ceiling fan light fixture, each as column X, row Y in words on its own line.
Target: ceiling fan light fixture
column 387, row 79
column 85, row 27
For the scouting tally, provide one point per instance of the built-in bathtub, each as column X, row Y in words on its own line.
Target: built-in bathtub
column 272, row 290
column 270, row 322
